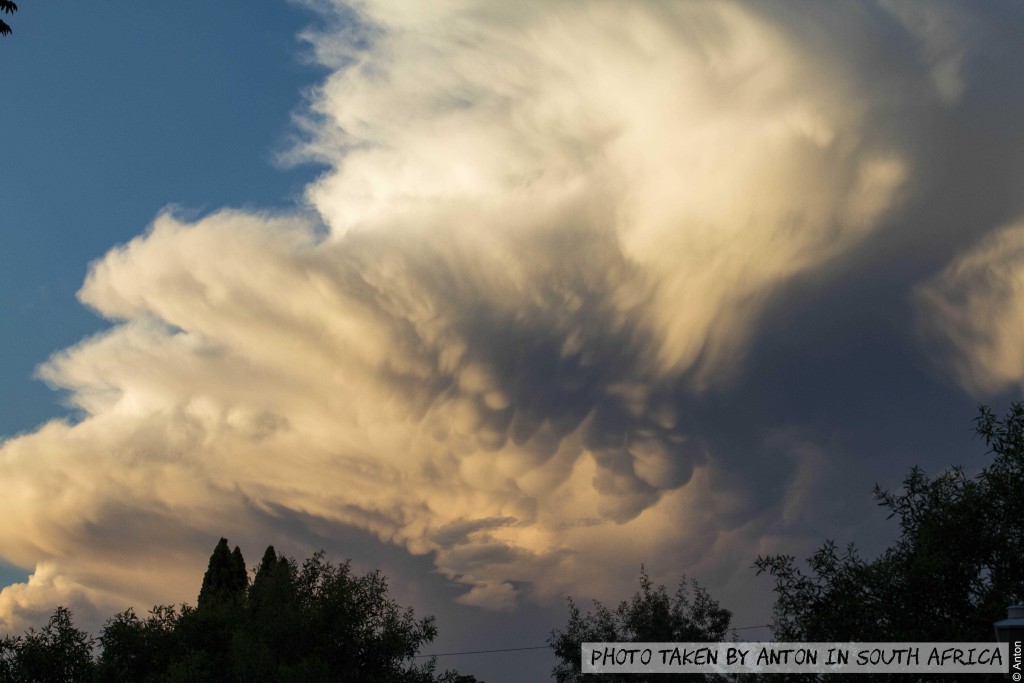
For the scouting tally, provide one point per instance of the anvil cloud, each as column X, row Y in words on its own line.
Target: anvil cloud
column 547, row 231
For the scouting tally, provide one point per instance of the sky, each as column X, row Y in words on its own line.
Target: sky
column 503, row 299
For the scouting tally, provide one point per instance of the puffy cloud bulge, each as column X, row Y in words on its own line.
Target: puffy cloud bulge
column 545, row 227
column 973, row 313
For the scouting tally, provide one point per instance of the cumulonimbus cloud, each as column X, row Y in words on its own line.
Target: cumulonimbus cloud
column 543, row 224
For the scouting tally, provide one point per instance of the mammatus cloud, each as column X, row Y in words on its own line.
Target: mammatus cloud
column 973, row 313
column 546, row 230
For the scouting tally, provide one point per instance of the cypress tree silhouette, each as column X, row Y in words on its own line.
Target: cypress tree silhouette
column 225, row 580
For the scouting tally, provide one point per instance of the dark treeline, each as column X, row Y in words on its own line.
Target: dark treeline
column 309, row 623
column 689, row 615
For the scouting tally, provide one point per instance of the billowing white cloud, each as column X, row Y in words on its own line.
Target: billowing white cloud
column 546, row 227
column 972, row 312
column 714, row 153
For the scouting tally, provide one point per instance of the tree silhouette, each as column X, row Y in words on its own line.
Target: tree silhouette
column 136, row 650
column 307, row 624
column 225, row 580
column 955, row 567
column 651, row 616
column 59, row 653
column 7, row 7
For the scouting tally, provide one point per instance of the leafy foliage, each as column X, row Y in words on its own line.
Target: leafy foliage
column 136, row 650
column 652, row 616
column 59, row 653
column 307, row 624
column 955, row 567
column 7, row 7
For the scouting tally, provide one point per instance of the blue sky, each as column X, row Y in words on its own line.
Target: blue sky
column 112, row 114
column 541, row 294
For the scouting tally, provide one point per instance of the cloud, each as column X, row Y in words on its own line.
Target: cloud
column 547, row 231
column 720, row 158
column 972, row 313
column 942, row 32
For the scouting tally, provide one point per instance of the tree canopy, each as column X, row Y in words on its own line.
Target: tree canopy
column 225, row 581
column 955, row 567
column 58, row 652
column 310, row 623
column 7, row 7
column 651, row 615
